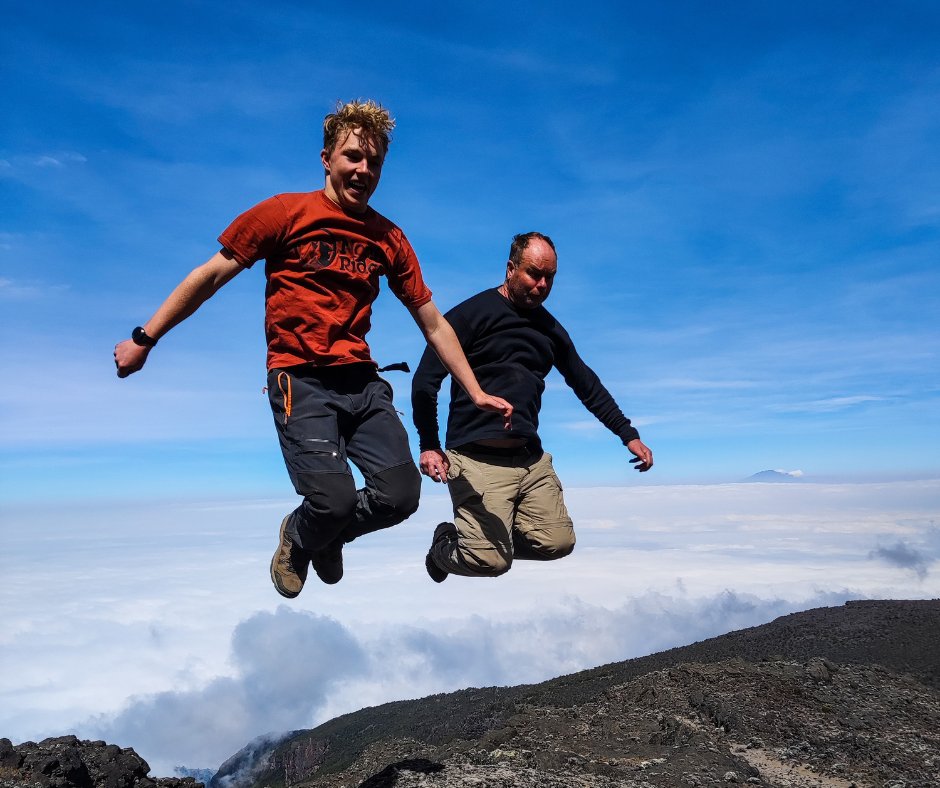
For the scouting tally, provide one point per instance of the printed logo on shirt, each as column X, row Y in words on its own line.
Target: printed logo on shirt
column 355, row 257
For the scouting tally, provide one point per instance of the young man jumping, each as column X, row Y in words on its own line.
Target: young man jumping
column 324, row 253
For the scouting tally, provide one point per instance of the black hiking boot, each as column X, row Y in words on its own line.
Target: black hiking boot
column 437, row 574
column 328, row 563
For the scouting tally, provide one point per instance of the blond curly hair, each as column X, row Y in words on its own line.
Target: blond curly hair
column 370, row 116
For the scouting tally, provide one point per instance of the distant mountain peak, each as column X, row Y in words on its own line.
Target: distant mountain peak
column 775, row 476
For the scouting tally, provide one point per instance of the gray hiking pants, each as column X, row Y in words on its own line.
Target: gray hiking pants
column 325, row 417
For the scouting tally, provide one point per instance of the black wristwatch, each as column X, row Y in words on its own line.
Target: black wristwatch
column 142, row 338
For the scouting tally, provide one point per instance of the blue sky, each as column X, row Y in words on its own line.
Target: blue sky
column 744, row 202
column 744, row 199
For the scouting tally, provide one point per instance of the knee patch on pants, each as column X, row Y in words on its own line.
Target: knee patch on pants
column 395, row 493
column 328, row 506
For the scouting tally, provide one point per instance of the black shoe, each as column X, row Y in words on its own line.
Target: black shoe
column 437, row 574
column 328, row 563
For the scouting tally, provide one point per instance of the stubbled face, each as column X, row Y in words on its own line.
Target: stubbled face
column 529, row 283
column 353, row 169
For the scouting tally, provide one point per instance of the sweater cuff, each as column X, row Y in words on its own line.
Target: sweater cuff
column 629, row 433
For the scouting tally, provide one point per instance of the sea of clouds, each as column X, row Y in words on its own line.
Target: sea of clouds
column 156, row 626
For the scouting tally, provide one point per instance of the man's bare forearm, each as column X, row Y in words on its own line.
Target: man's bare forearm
column 444, row 343
column 199, row 286
column 442, row 339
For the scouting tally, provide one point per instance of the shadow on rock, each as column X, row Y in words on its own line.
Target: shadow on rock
column 389, row 775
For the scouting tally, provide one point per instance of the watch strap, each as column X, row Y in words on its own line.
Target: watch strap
column 142, row 338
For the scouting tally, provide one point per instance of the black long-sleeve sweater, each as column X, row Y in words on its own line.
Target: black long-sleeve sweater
column 510, row 351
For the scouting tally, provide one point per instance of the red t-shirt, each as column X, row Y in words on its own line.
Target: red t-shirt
column 322, row 268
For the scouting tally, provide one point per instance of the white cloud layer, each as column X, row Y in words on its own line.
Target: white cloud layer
column 155, row 626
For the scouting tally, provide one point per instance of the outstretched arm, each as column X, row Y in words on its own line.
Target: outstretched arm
column 199, row 285
column 597, row 399
column 443, row 340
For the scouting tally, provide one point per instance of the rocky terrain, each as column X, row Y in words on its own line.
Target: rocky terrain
column 830, row 698
column 772, row 724
column 66, row 762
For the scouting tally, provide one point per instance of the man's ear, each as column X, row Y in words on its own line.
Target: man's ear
column 325, row 158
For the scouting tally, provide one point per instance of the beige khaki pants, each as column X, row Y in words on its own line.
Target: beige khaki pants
column 505, row 507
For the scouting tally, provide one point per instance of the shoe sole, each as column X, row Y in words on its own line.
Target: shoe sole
column 283, row 592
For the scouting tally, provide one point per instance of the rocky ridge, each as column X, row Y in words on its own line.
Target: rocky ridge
column 830, row 698
column 67, row 762
column 771, row 724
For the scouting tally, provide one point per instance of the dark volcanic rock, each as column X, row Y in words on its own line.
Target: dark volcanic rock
column 67, row 762
column 773, row 724
column 829, row 698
